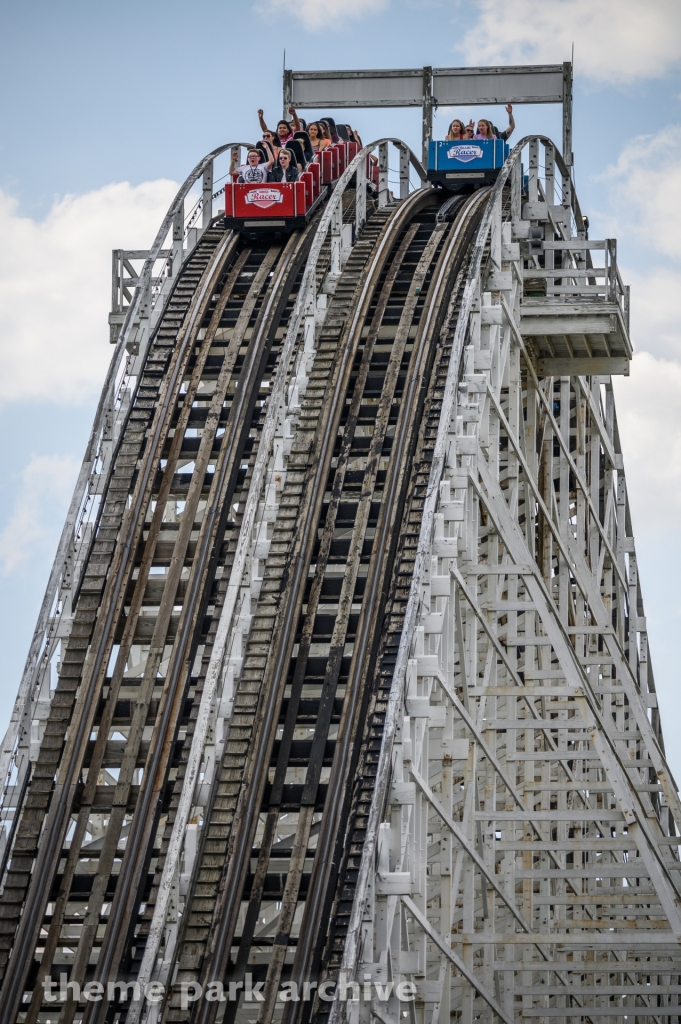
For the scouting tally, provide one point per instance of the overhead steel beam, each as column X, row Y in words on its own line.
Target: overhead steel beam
column 432, row 87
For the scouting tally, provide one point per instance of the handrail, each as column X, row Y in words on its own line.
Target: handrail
column 89, row 460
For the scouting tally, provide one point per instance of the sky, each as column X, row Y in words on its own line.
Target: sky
column 106, row 107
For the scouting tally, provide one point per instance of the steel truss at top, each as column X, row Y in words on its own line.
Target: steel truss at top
column 430, row 88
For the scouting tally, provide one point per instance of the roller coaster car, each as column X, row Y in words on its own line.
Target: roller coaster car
column 459, row 165
column 281, row 207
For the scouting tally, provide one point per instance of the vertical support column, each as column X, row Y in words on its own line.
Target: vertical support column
column 515, row 397
column 288, row 92
column 116, row 315
column 427, row 121
column 595, row 483
column 567, row 202
column 137, row 345
column 611, row 279
column 516, row 192
column 533, row 182
column 207, row 209
column 530, row 426
column 178, row 241
column 310, row 322
column 116, row 280
column 361, row 196
column 564, row 494
column 404, row 172
column 550, row 173
column 383, row 174
column 567, row 113
column 627, row 303
column 336, row 241
column 495, row 236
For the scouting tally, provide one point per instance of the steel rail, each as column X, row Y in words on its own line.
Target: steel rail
column 451, row 261
column 255, row 774
column 28, row 680
column 134, row 738
column 299, row 844
column 58, row 815
column 58, row 812
column 324, row 867
column 337, row 646
column 122, row 914
column 94, row 902
column 243, row 547
column 162, row 624
column 352, row 942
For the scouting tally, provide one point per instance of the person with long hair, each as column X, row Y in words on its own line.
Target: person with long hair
column 485, row 129
column 330, row 126
column 319, row 136
column 456, row 132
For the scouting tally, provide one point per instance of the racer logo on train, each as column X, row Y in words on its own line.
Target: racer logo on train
column 264, row 197
column 464, row 153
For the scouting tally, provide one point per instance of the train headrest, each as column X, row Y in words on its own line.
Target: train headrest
column 304, row 140
column 296, row 146
column 330, row 127
column 342, row 132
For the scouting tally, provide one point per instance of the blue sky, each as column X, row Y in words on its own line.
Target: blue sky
column 106, row 106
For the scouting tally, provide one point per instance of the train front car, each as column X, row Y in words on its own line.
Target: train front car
column 279, row 207
column 275, row 206
column 460, row 166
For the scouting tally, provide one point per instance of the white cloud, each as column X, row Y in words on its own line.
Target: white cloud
column 655, row 323
column 645, row 190
column 55, row 287
column 615, row 40
column 319, row 14
column 648, row 403
column 643, row 208
column 40, row 504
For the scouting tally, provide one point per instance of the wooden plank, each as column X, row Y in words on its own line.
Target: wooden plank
column 567, row 325
column 583, row 366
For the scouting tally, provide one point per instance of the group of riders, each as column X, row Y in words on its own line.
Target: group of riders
column 283, row 155
column 460, row 132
